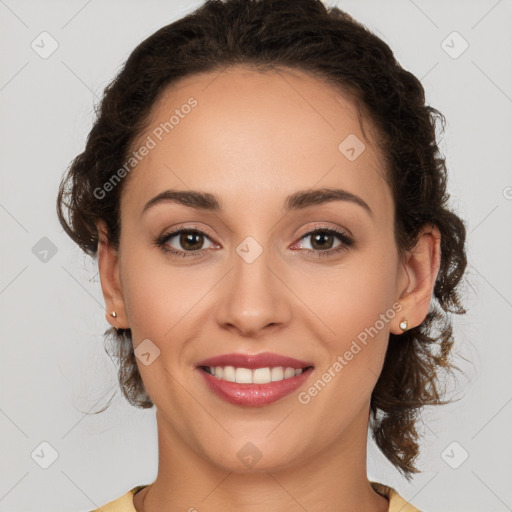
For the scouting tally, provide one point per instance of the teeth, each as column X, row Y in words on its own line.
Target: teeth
column 229, row 374
column 261, row 376
column 289, row 372
column 277, row 373
column 256, row 376
column 243, row 376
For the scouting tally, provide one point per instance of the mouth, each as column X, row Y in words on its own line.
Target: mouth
column 264, row 375
column 254, row 380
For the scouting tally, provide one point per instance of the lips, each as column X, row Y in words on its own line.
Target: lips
column 252, row 361
column 252, row 394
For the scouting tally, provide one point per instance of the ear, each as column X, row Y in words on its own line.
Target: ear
column 108, row 265
column 418, row 277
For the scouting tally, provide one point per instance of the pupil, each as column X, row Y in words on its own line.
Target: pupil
column 188, row 237
column 320, row 236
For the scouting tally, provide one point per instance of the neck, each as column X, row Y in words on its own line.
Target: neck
column 333, row 479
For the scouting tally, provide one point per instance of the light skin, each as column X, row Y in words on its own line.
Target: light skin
column 253, row 139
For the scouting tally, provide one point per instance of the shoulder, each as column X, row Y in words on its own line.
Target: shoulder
column 396, row 502
column 122, row 504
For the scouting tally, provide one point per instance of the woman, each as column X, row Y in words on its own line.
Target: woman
column 267, row 203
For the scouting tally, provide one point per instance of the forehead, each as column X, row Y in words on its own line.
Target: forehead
column 250, row 136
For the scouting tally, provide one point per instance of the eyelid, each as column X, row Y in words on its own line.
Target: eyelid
column 186, row 227
column 347, row 240
column 323, row 226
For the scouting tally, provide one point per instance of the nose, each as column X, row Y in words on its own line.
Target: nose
column 254, row 299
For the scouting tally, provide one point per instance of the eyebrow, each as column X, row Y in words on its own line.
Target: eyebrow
column 296, row 201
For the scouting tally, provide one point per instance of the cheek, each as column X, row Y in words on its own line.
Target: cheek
column 351, row 297
column 355, row 305
column 159, row 295
column 357, row 311
column 159, row 303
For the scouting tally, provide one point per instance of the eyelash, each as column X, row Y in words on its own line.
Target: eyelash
column 347, row 242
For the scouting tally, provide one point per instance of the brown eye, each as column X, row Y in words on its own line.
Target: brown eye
column 183, row 241
column 191, row 240
column 323, row 240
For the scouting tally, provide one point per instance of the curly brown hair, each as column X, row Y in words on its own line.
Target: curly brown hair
column 327, row 43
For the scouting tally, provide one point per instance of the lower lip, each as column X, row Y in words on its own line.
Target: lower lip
column 254, row 395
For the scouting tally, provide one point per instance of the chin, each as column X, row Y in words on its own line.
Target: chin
column 243, row 456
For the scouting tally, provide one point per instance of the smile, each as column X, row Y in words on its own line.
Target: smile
column 257, row 376
column 253, row 380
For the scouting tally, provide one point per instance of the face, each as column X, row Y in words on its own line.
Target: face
column 316, row 279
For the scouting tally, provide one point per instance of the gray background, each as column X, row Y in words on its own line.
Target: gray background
column 53, row 366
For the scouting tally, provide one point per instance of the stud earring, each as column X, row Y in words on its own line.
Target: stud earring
column 403, row 325
column 113, row 314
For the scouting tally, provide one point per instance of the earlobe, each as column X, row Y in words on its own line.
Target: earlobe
column 421, row 268
column 108, row 266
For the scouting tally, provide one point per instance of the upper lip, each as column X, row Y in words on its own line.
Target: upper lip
column 252, row 361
